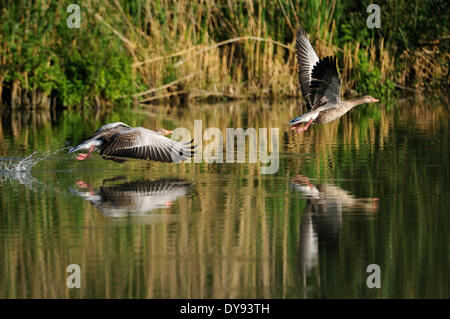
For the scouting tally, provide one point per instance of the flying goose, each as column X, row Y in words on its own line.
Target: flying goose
column 320, row 84
column 120, row 140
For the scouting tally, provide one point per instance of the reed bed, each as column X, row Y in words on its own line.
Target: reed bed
column 166, row 50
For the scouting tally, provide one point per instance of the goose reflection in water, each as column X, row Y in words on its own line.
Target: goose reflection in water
column 136, row 198
column 322, row 219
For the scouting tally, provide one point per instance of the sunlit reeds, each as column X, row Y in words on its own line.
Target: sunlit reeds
column 150, row 51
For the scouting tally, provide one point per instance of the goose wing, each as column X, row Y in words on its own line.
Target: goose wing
column 101, row 135
column 306, row 59
column 141, row 143
column 325, row 83
column 108, row 130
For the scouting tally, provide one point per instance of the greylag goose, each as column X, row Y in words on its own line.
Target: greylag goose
column 320, row 85
column 120, row 140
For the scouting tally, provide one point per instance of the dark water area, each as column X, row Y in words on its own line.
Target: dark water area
column 371, row 188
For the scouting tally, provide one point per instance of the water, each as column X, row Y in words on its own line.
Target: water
column 371, row 188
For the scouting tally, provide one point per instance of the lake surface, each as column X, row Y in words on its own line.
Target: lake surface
column 371, row 188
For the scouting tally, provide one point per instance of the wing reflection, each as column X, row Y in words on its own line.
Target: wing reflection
column 322, row 218
column 138, row 197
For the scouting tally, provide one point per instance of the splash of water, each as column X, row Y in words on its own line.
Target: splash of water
column 24, row 164
column 19, row 169
column 20, row 165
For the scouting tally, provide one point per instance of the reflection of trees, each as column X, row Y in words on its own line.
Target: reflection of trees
column 359, row 127
column 240, row 235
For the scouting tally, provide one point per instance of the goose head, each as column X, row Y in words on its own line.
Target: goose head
column 369, row 99
column 164, row 132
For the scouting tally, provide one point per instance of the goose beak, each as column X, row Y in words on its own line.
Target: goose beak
column 73, row 149
column 376, row 100
column 295, row 120
column 167, row 132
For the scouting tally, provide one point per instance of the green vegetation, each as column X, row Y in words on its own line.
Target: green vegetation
column 151, row 50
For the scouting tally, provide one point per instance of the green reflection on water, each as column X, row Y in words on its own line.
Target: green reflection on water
column 370, row 188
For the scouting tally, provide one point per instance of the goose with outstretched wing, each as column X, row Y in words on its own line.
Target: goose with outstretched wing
column 118, row 140
column 320, row 85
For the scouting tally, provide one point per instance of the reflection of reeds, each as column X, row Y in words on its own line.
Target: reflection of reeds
column 237, row 234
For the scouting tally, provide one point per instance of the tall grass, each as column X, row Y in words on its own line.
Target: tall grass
column 179, row 50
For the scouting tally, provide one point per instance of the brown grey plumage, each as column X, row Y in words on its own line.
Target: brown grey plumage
column 320, row 85
column 120, row 140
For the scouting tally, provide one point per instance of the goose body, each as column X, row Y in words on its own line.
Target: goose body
column 320, row 85
column 119, row 140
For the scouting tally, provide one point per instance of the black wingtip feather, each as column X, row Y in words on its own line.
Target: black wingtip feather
column 322, row 66
column 190, row 142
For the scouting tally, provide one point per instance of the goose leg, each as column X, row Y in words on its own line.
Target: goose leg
column 296, row 127
column 304, row 128
column 83, row 156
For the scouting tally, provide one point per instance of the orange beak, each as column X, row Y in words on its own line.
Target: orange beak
column 167, row 132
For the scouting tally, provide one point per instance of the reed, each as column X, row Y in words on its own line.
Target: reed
column 147, row 51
